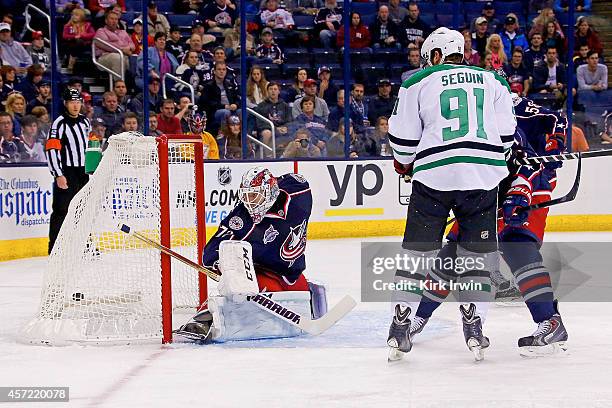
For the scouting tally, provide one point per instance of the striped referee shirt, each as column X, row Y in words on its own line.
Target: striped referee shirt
column 66, row 143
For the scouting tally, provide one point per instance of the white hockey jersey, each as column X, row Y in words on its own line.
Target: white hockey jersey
column 454, row 122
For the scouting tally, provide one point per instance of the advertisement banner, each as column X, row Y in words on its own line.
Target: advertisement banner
column 25, row 202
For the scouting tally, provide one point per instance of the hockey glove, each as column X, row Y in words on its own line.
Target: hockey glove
column 404, row 170
column 555, row 144
column 517, row 197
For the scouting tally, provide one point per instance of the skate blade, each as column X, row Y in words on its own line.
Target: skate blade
column 476, row 349
column 394, row 355
column 558, row 349
column 191, row 336
column 509, row 303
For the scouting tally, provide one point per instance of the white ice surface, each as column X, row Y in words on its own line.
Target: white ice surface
column 345, row 367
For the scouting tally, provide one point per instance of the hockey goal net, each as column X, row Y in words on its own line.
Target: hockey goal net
column 104, row 286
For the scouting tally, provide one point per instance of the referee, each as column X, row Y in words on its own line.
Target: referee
column 65, row 151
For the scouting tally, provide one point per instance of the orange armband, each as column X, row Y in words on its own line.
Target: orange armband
column 53, row 144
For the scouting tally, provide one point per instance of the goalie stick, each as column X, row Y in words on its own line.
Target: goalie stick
column 313, row 327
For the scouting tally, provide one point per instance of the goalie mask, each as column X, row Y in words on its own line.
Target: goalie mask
column 258, row 191
column 448, row 41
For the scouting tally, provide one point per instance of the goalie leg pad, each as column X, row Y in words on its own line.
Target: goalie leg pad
column 246, row 321
column 237, row 269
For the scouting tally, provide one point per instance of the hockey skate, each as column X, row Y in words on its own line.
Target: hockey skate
column 472, row 331
column 417, row 325
column 549, row 338
column 507, row 294
column 399, row 340
column 199, row 328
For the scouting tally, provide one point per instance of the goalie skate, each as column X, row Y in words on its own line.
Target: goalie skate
column 399, row 340
column 549, row 338
column 199, row 329
column 472, row 331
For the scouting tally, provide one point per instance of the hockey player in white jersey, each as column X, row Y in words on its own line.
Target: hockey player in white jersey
column 449, row 131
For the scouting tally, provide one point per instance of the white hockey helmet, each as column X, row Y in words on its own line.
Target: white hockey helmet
column 258, row 191
column 446, row 40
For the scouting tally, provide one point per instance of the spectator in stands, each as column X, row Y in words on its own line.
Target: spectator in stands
column 360, row 37
column 16, row 107
column 192, row 72
column 40, row 54
column 480, row 35
column 42, row 116
column 188, row 6
column 336, row 143
column 275, row 109
column 414, row 63
column 550, row 77
column 413, row 29
column 606, row 134
column 119, row 9
column 581, row 57
column 153, row 130
column 3, row 93
column 167, row 122
column 123, row 98
column 183, row 112
column 66, row 6
column 470, row 55
column 13, row 53
column 257, row 87
column 539, row 23
column 535, row 6
column 29, row 85
column 320, row 106
column 536, row 54
column 518, row 75
column 43, row 97
column 488, row 12
column 385, row 33
column 219, row 56
column 155, row 98
column 297, row 88
column 219, row 16
column 511, row 38
column 195, row 45
column 381, row 104
column 232, row 41
column 327, row 90
column 487, row 62
column 98, row 7
column 268, row 51
column 9, row 79
column 158, row 23
column 75, row 83
column 301, row 146
column 32, row 140
column 281, row 21
column 111, row 33
column 495, row 47
column 592, row 76
column 161, row 62
column 12, row 149
column 220, row 96
column 337, row 114
column 358, row 103
column 308, row 119
column 327, row 23
column 130, row 122
column 175, row 44
column 77, row 35
column 397, row 12
column 87, row 109
column 109, row 112
column 583, row 35
column 381, row 135
column 581, row 5
column 199, row 28
column 230, row 140
column 552, row 38
column 137, row 35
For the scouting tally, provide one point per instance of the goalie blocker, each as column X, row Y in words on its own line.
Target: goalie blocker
column 259, row 248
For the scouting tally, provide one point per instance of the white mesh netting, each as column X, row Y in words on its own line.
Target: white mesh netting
column 102, row 285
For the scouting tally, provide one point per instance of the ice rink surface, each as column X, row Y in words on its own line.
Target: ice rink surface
column 345, row 367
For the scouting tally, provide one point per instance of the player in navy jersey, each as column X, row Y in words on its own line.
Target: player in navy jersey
column 540, row 131
column 265, row 232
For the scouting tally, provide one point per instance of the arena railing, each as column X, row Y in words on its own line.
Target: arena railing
column 111, row 73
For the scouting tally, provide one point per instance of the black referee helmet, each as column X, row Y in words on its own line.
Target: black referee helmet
column 71, row 94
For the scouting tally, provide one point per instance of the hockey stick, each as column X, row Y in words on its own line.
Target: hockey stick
column 564, row 156
column 566, row 198
column 313, row 327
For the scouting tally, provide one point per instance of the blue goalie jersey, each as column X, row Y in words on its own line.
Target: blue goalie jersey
column 279, row 240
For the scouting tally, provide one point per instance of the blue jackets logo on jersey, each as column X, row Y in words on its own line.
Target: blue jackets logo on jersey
column 295, row 244
column 270, row 235
column 236, row 223
column 224, row 175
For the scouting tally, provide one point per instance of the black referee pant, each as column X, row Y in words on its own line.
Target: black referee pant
column 76, row 178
